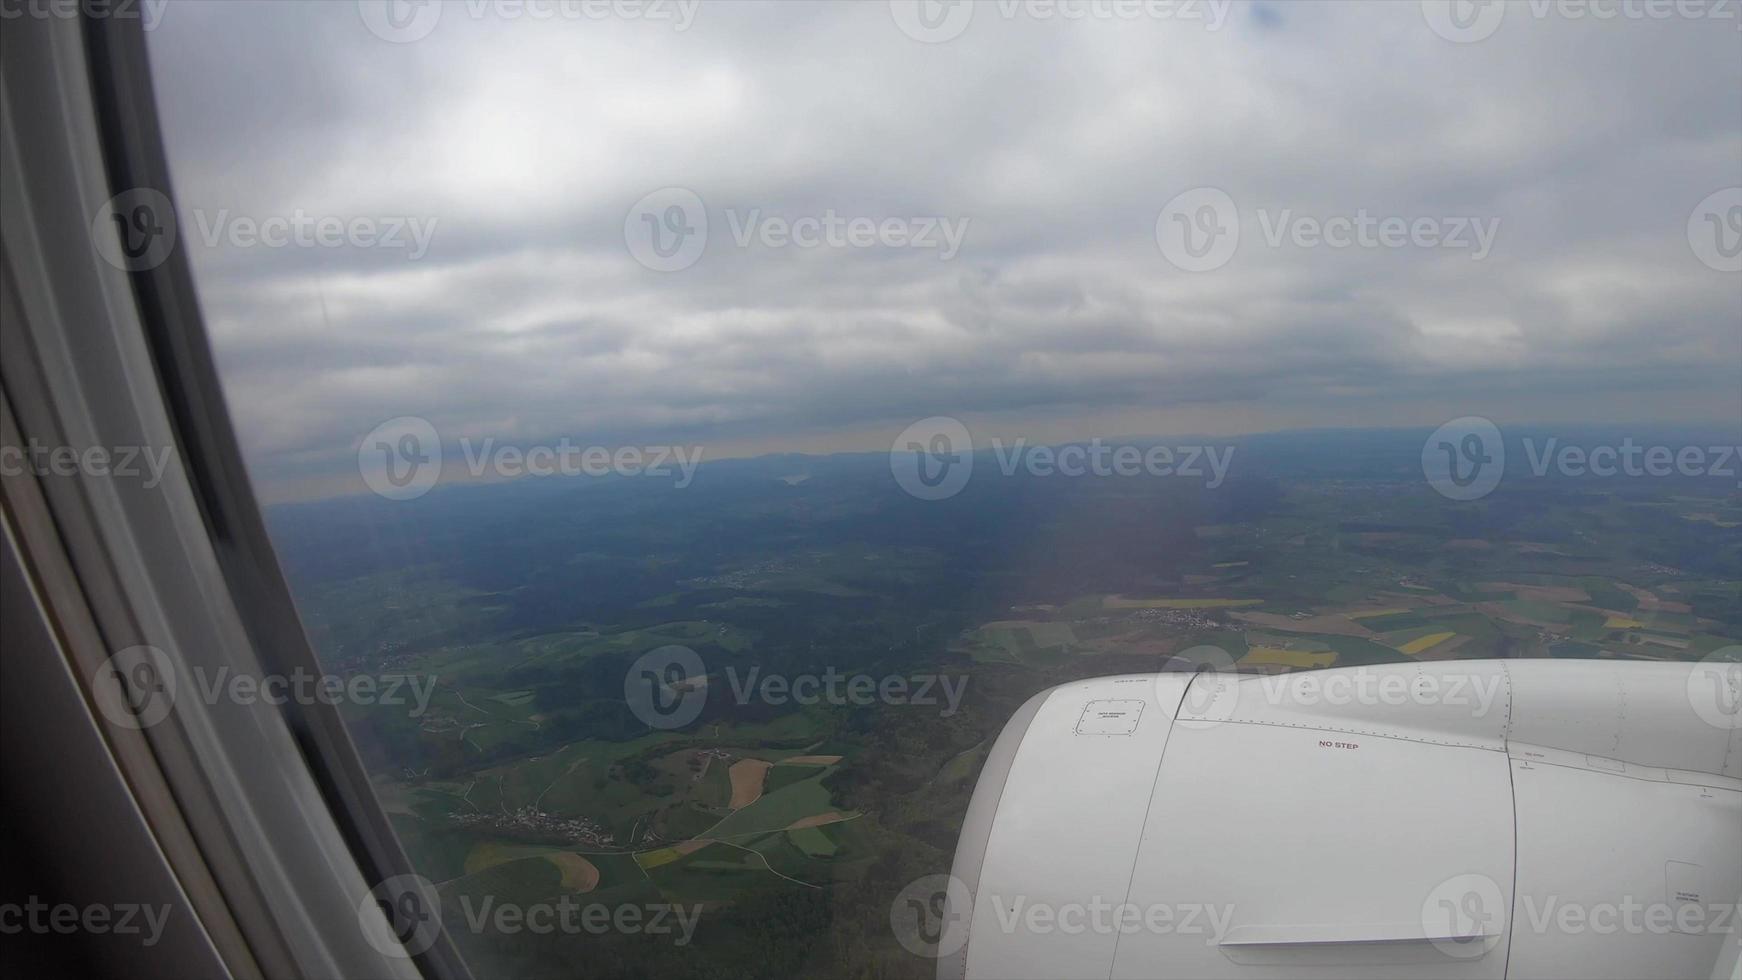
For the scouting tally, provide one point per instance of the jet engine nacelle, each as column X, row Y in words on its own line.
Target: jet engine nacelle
column 1516, row 818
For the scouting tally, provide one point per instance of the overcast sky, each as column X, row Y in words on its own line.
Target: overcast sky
column 1584, row 149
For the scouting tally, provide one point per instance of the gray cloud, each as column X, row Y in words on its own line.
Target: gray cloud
column 1590, row 142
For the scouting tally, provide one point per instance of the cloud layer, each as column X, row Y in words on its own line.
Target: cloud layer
column 1586, row 145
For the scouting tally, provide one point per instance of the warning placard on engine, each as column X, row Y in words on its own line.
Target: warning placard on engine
column 1110, row 717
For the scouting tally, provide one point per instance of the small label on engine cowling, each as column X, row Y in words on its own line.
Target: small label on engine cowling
column 1109, row 717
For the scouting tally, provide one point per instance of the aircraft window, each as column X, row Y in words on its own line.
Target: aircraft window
column 694, row 433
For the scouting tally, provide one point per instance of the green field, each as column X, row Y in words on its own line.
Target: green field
column 528, row 749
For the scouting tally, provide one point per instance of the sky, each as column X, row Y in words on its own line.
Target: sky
column 1051, row 221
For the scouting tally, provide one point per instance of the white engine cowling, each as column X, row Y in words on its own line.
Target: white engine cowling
column 1517, row 818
